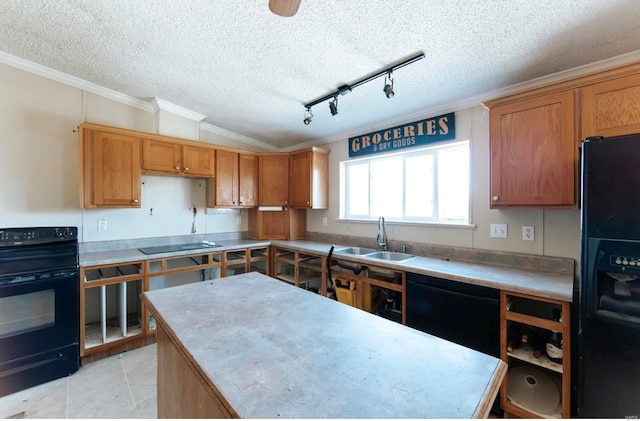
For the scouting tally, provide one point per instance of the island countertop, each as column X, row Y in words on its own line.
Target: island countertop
column 283, row 352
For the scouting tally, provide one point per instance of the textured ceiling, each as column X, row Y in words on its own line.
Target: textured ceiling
column 250, row 71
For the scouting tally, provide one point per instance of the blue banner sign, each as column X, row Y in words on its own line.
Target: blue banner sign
column 418, row 133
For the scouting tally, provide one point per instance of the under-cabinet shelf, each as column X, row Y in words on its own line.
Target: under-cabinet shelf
column 525, row 353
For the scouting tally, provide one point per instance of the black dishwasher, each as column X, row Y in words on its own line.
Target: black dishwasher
column 466, row 314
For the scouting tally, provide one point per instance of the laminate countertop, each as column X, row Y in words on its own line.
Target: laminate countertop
column 284, row 352
column 538, row 283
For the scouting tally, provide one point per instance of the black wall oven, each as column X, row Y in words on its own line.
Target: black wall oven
column 39, row 306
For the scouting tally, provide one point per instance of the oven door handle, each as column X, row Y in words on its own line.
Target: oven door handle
column 39, row 278
column 489, row 300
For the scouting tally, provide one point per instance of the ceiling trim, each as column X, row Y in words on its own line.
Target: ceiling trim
column 55, row 75
column 235, row 136
column 161, row 104
column 477, row 100
column 158, row 103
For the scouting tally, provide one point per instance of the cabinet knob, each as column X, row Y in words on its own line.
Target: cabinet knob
column 495, row 198
column 135, row 200
column 178, row 168
column 308, row 203
column 286, row 203
column 186, row 168
column 233, row 202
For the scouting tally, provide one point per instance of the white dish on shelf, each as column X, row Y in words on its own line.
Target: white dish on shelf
column 533, row 389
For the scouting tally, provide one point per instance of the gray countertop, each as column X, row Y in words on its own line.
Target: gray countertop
column 538, row 283
column 283, row 352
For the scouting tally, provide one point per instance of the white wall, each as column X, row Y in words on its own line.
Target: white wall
column 557, row 233
column 40, row 164
column 39, row 177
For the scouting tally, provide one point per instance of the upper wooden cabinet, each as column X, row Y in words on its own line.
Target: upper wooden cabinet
column 534, row 152
column 110, row 169
column 174, row 158
column 235, row 182
column 273, row 180
column 612, row 107
column 309, row 179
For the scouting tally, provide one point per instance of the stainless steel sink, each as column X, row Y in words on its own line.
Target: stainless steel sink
column 392, row 256
column 358, row 251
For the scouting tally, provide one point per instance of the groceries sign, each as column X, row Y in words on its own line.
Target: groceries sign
column 418, row 133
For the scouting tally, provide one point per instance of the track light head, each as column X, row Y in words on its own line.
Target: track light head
column 388, row 87
column 333, row 106
column 308, row 115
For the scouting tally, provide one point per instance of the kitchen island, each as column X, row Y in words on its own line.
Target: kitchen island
column 249, row 346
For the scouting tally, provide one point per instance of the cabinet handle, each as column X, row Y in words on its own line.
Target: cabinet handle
column 186, row 168
column 495, row 198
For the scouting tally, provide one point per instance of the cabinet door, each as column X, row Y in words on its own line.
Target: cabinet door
column 309, row 179
column 198, row 161
column 115, row 168
column 300, row 179
column 248, row 180
column 161, row 157
column 534, row 153
column 611, row 108
column 226, row 179
column 273, row 180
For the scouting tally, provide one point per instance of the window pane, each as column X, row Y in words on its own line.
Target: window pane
column 386, row 187
column 358, row 189
column 419, row 186
column 453, row 184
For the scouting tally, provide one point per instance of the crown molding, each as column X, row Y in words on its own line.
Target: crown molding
column 238, row 137
column 477, row 100
column 55, row 75
column 161, row 104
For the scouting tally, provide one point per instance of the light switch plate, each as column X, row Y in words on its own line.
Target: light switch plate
column 498, row 231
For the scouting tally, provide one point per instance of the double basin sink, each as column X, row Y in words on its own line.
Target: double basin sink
column 389, row 256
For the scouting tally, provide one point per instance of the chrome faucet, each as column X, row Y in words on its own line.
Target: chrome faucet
column 382, row 234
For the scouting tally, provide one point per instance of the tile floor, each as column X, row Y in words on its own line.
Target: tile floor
column 121, row 386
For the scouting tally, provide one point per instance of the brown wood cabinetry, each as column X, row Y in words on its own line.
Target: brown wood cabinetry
column 309, row 179
column 173, row 158
column 286, row 224
column 535, row 135
column 612, row 107
column 521, row 311
column 273, row 180
column 112, row 318
column 235, row 184
column 534, row 152
column 110, row 169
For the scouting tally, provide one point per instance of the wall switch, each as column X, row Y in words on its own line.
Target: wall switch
column 498, row 231
column 528, row 233
column 102, row 225
column 324, row 221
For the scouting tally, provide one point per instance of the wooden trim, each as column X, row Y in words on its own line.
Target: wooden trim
column 574, row 83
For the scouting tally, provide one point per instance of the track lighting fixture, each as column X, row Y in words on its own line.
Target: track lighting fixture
column 388, row 87
column 345, row 89
column 308, row 115
column 333, row 105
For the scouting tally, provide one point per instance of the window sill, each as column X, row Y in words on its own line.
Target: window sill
column 417, row 224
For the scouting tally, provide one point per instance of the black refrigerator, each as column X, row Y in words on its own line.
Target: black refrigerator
column 606, row 357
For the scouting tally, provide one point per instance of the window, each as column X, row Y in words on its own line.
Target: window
column 428, row 185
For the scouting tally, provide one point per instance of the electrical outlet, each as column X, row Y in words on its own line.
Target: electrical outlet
column 498, row 231
column 324, row 221
column 528, row 233
column 239, row 220
column 102, row 225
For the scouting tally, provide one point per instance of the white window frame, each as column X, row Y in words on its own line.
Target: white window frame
column 433, row 150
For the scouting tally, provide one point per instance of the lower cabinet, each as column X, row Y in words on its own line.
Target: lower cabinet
column 535, row 344
column 375, row 289
column 112, row 317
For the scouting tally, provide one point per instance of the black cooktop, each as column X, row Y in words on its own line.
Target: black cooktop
column 176, row 247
